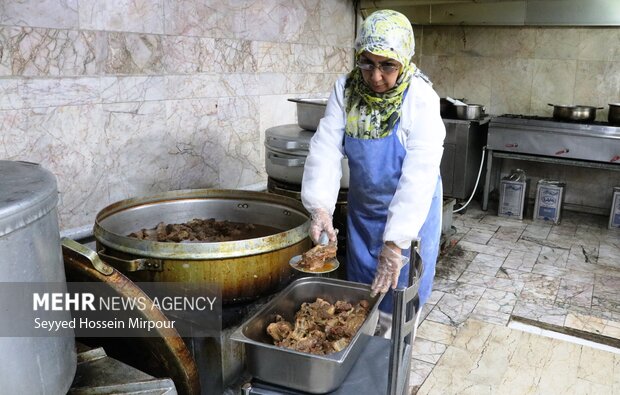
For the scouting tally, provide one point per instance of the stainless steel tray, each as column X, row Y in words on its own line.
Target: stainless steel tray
column 316, row 374
column 310, row 112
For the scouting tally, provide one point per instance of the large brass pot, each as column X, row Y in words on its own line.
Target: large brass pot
column 244, row 269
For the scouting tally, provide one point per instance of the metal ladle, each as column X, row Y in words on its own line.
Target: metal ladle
column 329, row 266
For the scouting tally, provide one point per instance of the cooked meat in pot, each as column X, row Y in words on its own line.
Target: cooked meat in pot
column 320, row 327
column 203, row 230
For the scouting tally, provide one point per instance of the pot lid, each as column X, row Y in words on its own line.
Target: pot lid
column 288, row 139
column 28, row 193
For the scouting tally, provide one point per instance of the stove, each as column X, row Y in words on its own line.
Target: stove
column 544, row 139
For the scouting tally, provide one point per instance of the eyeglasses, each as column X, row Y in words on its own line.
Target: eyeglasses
column 383, row 68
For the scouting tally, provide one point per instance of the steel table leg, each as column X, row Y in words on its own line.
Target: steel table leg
column 487, row 180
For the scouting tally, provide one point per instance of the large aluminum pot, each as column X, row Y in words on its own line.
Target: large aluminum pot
column 614, row 113
column 470, row 111
column 286, row 149
column 244, row 269
column 30, row 252
column 577, row 113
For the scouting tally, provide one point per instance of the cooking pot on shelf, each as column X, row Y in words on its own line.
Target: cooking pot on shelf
column 286, row 149
column 447, row 108
column 614, row 113
column 30, row 252
column 578, row 113
column 309, row 112
column 470, row 111
column 244, row 269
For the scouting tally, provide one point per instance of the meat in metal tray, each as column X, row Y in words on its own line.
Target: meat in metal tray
column 296, row 370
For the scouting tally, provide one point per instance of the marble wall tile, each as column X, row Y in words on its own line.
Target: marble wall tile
column 441, row 70
column 200, row 79
column 59, row 92
column 338, row 60
column 297, row 83
column 557, row 43
column 553, row 82
column 209, row 18
column 51, row 52
column 135, row 137
column 597, row 83
column 234, row 56
column 473, row 82
column 194, row 86
column 188, row 55
column 440, row 41
column 137, row 16
column 132, row 89
column 475, row 41
column 9, row 95
column 134, row 54
column 310, row 58
column 56, row 14
column 511, row 86
column 5, row 51
column 514, row 42
column 297, row 58
column 274, row 57
column 596, row 44
column 281, row 20
column 336, row 24
column 65, row 141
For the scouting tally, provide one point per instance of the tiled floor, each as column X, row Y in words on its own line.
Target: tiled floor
column 496, row 270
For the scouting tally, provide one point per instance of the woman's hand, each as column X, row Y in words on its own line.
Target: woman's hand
column 322, row 222
column 388, row 268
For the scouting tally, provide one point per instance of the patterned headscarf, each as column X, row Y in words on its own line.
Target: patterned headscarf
column 373, row 115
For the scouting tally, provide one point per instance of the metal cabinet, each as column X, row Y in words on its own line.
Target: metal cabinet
column 462, row 156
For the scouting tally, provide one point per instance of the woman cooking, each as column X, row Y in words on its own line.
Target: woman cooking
column 384, row 116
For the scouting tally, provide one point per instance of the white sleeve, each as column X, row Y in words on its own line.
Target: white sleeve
column 323, row 170
column 424, row 133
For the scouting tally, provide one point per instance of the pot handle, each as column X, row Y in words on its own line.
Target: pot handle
column 293, row 162
column 552, row 105
column 87, row 253
column 132, row 265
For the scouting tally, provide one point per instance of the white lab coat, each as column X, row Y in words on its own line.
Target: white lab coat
column 421, row 131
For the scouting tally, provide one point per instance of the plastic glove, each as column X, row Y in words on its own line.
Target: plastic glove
column 321, row 222
column 388, row 269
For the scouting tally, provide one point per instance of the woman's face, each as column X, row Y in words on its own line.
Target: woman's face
column 377, row 80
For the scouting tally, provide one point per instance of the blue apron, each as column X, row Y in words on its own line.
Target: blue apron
column 375, row 167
